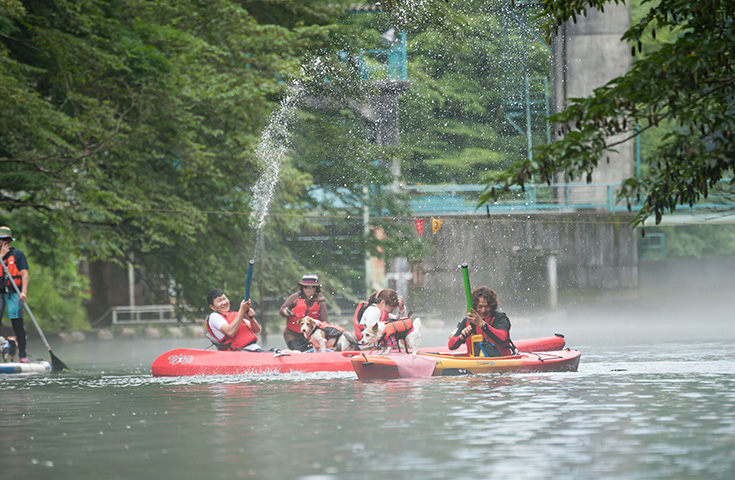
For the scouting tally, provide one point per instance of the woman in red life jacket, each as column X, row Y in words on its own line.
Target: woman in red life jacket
column 232, row 330
column 381, row 306
column 308, row 301
column 485, row 319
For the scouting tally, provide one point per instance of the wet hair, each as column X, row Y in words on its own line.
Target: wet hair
column 489, row 295
column 390, row 296
column 212, row 294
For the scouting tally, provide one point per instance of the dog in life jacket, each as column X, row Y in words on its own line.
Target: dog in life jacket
column 324, row 335
column 387, row 335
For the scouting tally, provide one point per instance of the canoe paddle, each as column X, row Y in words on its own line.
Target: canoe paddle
column 56, row 364
column 250, row 279
column 468, row 294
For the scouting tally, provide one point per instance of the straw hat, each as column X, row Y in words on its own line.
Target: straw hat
column 309, row 280
column 6, row 232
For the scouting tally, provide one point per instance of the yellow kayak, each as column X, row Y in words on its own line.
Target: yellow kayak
column 402, row 365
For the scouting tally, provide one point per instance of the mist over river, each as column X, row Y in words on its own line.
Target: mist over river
column 654, row 398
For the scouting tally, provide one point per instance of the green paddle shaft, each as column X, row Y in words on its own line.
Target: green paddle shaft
column 467, row 290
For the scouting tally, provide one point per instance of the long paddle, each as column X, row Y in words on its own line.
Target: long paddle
column 250, row 279
column 56, row 364
column 468, row 295
column 467, row 290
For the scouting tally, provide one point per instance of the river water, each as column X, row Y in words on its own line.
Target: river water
column 648, row 402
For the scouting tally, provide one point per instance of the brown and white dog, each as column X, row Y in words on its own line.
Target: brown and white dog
column 387, row 335
column 8, row 347
column 323, row 335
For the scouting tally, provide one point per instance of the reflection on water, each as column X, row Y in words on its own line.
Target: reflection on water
column 646, row 410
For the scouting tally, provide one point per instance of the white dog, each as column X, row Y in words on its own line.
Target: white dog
column 8, row 347
column 387, row 335
column 323, row 335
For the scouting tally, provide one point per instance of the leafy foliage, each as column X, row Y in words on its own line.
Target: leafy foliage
column 697, row 241
column 129, row 127
column 453, row 126
column 685, row 84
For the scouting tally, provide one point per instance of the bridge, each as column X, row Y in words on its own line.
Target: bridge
column 462, row 199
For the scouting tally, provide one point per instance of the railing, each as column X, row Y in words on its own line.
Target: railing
column 462, row 199
column 653, row 242
column 144, row 314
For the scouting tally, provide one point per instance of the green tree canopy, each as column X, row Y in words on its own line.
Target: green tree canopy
column 684, row 84
column 129, row 128
column 464, row 65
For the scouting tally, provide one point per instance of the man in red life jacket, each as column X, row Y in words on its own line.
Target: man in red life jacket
column 486, row 319
column 232, row 330
column 17, row 267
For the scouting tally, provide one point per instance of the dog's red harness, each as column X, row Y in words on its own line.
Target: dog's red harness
column 330, row 331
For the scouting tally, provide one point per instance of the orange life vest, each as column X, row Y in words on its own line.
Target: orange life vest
column 13, row 271
column 242, row 338
column 398, row 328
column 300, row 311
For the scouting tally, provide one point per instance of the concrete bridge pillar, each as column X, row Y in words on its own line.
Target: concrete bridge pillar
column 587, row 55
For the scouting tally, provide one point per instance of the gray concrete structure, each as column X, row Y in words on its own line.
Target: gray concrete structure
column 513, row 253
column 528, row 258
column 587, row 55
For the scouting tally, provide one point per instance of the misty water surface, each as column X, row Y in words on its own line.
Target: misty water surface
column 654, row 398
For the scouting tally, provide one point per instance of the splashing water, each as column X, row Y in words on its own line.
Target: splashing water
column 274, row 144
column 271, row 152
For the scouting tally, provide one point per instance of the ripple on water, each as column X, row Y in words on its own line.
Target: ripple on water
column 614, row 419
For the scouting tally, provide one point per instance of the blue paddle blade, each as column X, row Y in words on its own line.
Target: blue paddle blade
column 250, row 279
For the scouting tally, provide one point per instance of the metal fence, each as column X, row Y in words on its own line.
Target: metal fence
column 145, row 314
column 462, row 199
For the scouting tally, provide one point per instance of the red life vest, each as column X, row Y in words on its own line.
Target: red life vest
column 383, row 314
column 356, row 320
column 503, row 348
column 300, row 311
column 13, row 271
column 242, row 338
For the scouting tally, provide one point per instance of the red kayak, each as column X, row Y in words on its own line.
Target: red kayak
column 401, row 365
column 191, row 361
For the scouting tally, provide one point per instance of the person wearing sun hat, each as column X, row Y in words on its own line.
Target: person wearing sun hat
column 16, row 267
column 307, row 301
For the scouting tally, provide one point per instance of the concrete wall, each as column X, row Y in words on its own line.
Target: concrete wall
column 510, row 254
column 587, row 55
